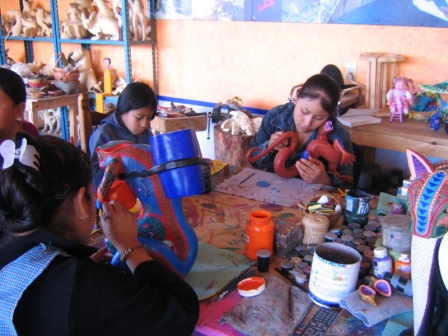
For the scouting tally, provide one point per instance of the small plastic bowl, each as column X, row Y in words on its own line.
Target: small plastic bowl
column 55, row 93
column 36, row 95
column 251, row 286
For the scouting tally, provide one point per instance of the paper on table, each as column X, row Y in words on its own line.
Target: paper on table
column 357, row 117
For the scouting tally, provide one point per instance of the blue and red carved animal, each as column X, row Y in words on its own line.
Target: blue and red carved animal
column 334, row 154
column 161, row 221
column 427, row 198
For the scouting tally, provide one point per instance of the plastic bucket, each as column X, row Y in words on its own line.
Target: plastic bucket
column 173, row 146
column 334, row 273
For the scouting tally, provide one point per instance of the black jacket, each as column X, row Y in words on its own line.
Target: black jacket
column 75, row 296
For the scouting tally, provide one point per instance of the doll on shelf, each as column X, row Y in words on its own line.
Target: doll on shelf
column 400, row 98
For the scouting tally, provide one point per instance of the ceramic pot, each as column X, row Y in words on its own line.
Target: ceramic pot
column 62, row 75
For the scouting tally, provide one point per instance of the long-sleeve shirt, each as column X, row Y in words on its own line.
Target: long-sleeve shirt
column 281, row 118
column 110, row 129
column 76, row 296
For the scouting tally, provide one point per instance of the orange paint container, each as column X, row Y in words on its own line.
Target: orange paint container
column 259, row 233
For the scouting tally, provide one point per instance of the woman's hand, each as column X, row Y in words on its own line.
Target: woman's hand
column 274, row 137
column 313, row 171
column 119, row 225
column 102, row 255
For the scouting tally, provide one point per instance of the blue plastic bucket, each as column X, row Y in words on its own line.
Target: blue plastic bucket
column 168, row 147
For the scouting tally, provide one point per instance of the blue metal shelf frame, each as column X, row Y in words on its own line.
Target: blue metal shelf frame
column 126, row 43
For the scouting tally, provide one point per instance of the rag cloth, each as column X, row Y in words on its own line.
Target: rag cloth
column 213, row 269
column 388, row 307
column 268, row 313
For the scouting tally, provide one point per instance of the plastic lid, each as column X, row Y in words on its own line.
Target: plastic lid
column 264, row 253
column 405, row 257
column 380, row 252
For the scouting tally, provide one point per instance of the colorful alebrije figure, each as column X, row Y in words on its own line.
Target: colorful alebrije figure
column 160, row 219
column 428, row 204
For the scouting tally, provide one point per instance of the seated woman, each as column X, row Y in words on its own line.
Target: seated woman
column 51, row 283
column 136, row 107
column 315, row 104
column 12, row 106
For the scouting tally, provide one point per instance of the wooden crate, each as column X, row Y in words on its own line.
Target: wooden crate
column 165, row 125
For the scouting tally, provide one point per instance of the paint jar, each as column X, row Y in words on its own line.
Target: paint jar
column 259, row 233
column 263, row 257
column 402, row 266
column 382, row 262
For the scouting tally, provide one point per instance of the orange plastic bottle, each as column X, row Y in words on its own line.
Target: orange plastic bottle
column 259, row 233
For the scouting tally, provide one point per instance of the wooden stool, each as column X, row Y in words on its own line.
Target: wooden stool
column 230, row 148
column 380, row 72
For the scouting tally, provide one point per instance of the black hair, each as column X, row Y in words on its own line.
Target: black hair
column 12, row 85
column 325, row 89
column 31, row 198
column 135, row 96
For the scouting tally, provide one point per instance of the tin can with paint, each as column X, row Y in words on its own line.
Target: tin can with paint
column 334, row 274
column 357, row 207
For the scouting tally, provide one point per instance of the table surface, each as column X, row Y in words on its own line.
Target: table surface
column 412, row 133
column 219, row 219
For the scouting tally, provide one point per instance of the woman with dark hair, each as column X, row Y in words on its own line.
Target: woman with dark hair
column 136, row 107
column 12, row 106
column 306, row 114
column 51, row 283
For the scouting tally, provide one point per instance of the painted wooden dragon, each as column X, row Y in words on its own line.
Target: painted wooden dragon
column 162, row 225
column 334, row 154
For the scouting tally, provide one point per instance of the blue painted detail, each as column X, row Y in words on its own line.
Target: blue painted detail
column 205, row 104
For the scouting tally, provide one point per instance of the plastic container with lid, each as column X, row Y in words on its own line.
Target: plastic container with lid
column 396, row 233
column 259, row 233
column 382, row 262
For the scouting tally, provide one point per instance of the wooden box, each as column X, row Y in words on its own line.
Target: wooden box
column 165, row 125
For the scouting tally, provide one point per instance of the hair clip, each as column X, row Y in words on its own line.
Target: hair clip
column 26, row 154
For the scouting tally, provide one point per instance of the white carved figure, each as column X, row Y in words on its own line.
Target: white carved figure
column 16, row 15
column 87, row 78
column 51, row 120
column 29, row 27
column 240, row 123
column 101, row 27
column 139, row 23
column 44, row 22
column 27, row 12
column 103, row 9
column 73, row 27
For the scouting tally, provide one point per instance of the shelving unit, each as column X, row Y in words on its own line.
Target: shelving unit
column 126, row 42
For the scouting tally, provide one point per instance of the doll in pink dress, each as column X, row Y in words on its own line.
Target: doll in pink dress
column 400, row 98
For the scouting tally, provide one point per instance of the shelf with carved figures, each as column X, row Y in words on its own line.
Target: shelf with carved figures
column 125, row 39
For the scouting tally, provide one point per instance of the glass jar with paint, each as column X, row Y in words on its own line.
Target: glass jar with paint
column 259, row 233
column 382, row 262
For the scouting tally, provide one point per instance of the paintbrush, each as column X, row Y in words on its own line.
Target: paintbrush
column 246, row 178
column 291, row 307
column 233, row 284
column 223, row 292
column 295, row 283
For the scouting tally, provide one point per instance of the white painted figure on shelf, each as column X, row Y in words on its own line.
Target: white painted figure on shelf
column 400, row 97
column 139, row 22
column 87, row 78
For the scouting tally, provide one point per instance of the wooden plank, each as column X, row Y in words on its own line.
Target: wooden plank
column 165, row 125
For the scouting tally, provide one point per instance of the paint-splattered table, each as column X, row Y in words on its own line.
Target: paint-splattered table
column 219, row 219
